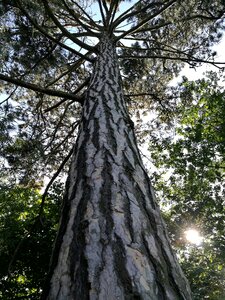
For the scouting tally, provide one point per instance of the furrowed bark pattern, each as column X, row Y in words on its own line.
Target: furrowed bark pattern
column 112, row 242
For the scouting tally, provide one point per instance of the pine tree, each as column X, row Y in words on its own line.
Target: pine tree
column 112, row 242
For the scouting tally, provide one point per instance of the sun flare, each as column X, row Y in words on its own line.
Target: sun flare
column 193, row 236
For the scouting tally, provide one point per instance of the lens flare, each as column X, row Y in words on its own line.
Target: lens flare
column 193, row 236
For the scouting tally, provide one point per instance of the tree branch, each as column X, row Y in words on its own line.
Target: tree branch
column 125, row 14
column 146, row 20
column 42, row 90
column 40, row 60
column 184, row 59
column 65, row 99
column 78, row 20
column 112, row 12
column 70, row 69
column 161, row 49
column 10, row 95
column 18, row 248
column 44, row 195
column 66, row 32
column 53, row 135
column 139, row 95
column 102, row 12
column 74, row 126
column 83, row 34
column 40, row 29
column 105, row 6
column 199, row 16
column 92, row 22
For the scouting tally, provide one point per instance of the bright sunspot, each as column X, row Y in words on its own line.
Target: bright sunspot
column 193, row 236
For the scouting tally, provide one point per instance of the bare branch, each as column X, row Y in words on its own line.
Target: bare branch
column 198, row 16
column 92, row 22
column 10, row 95
column 65, row 31
column 138, row 95
column 78, row 20
column 155, row 27
column 146, row 20
column 83, row 34
column 40, row 60
column 70, row 69
column 105, row 6
column 42, row 90
column 163, row 48
column 74, row 126
column 65, row 99
column 112, row 10
column 125, row 14
column 102, row 12
column 188, row 59
column 53, row 135
column 13, row 258
column 53, row 179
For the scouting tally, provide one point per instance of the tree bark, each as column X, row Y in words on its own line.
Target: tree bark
column 112, row 242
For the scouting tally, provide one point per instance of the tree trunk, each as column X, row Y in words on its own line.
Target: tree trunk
column 112, row 243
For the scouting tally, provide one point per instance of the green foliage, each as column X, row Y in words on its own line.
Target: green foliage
column 192, row 183
column 50, row 44
column 26, row 239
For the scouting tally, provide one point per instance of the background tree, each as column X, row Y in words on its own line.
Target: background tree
column 191, row 159
column 41, row 43
column 25, row 239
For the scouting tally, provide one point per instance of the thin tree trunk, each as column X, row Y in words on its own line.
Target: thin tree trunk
column 112, row 243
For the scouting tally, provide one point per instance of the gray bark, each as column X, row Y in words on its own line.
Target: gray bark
column 112, row 242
